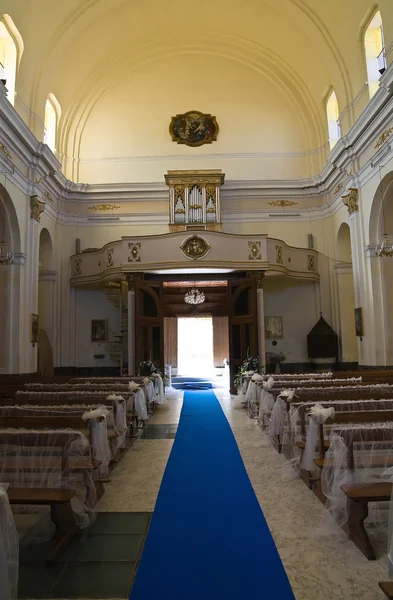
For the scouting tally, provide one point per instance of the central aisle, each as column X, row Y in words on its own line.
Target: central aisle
column 208, row 537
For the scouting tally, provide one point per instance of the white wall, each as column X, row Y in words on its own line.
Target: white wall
column 93, row 304
column 295, row 302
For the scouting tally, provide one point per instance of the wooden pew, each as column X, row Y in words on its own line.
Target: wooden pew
column 387, row 588
column 340, row 418
column 360, row 494
column 59, row 499
column 61, row 514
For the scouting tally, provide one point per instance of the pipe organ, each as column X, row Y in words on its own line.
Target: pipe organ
column 194, row 199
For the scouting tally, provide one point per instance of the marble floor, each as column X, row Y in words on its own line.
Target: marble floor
column 321, row 563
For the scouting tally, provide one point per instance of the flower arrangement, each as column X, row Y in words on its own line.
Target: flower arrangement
column 147, row 368
column 251, row 363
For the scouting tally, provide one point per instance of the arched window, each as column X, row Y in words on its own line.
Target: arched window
column 52, row 116
column 375, row 53
column 11, row 49
column 333, row 122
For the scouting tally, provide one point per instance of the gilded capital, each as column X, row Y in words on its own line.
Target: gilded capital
column 132, row 278
column 36, row 208
column 351, row 200
column 258, row 276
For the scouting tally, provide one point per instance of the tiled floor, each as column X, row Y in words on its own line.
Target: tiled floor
column 163, row 431
column 101, row 562
column 321, row 563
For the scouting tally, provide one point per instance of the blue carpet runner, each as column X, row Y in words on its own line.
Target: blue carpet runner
column 208, row 539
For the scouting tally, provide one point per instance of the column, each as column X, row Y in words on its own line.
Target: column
column 259, row 276
column 131, row 280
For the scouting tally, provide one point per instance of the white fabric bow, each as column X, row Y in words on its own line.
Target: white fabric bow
column 257, row 377
column 133, row 385
column 114, row 397
column 289, row 394
column 319, row 414
column 101, row 411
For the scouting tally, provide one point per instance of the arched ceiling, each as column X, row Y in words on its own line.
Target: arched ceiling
column 79, row 49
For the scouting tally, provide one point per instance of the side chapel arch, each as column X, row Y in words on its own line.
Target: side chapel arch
column 10, row 281
column 346, row 295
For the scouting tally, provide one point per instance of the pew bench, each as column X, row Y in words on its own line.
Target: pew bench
column 387, row 588
column 62, row 516
column 359, row 495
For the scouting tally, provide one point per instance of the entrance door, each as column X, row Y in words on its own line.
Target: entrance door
column 243, row 324
column 149, row 323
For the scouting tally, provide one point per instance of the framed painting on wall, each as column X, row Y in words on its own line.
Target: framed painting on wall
column 34, row 329
column 273, row 328
column 359, row 322
column 98, row 330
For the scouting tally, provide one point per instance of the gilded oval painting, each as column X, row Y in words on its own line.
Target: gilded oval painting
column 193, row 128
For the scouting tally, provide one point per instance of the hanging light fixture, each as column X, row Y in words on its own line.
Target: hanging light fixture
column 6, row 258
column 385, row 248
column 194, row 296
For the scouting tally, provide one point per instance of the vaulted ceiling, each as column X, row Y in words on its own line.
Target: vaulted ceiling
column 84, row 50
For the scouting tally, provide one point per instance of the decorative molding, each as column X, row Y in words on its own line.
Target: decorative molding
column 78, row 267
column 311, row 266
column 47, row 276
column 5, row 150
column 383, row 137
column 351, row 200
column 282, row 203
column 254, row 251
column 279, row 256
column 48, row 196
column 338, row 189
column 134, row 252
column 36, row 208
column 109, row 257
column 104, row 207
column 195, row 247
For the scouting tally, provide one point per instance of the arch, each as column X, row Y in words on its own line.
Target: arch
column 374, row 48
column 10, row 288
column 11, row 50
column 46, row 301
column 343, row 247
column 45, row 251
column 381, row 270
column 346, row 297
column 333, row 113
column 11, row 224
column 51, row 121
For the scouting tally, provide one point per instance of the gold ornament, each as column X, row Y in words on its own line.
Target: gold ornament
column 195, row 247
column 351, row 200
column 282, row 203
column 103, row 207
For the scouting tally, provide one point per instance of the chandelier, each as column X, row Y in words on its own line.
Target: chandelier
column 385, row 248
column 194, row 296
column 6, row 258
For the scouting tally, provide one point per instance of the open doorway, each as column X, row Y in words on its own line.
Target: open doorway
column 195, row 347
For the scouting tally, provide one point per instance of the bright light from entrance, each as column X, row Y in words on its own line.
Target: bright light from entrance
column 195, row 347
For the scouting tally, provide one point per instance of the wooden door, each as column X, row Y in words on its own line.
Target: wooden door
column 243, row 324
column 149, row 323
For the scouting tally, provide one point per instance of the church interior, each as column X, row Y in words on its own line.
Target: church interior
column 196, row 258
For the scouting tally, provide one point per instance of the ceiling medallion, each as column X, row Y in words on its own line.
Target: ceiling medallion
column 195, row 247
